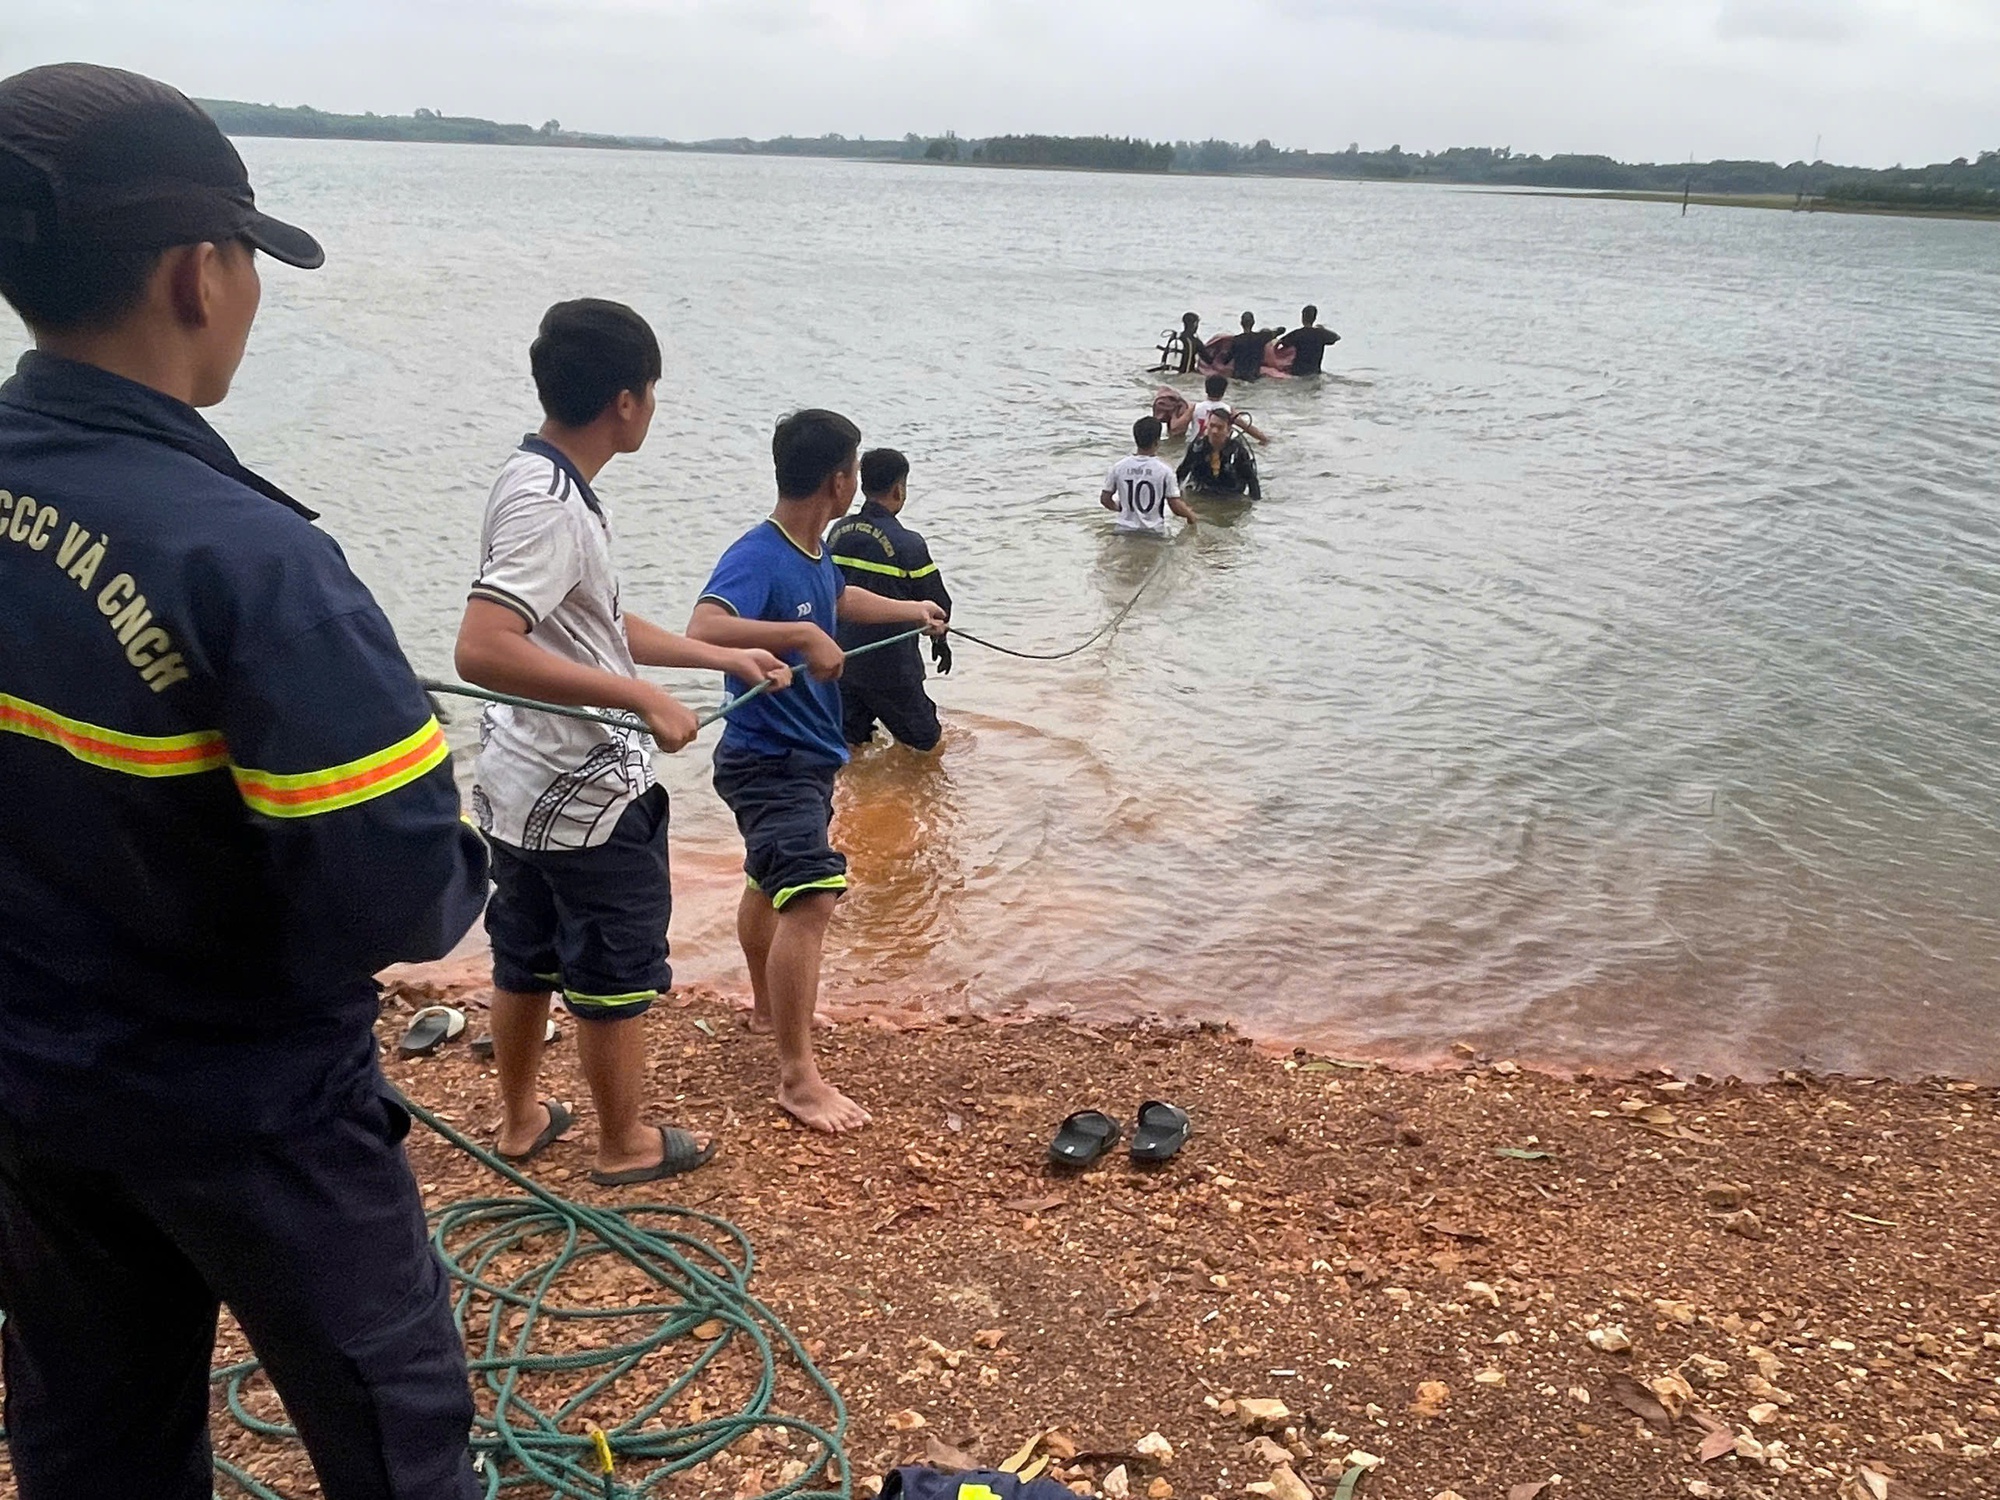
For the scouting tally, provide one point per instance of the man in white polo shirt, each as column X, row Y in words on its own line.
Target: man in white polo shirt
column 576, row 822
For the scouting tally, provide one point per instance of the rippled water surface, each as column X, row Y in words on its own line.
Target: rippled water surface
column 1609, row 673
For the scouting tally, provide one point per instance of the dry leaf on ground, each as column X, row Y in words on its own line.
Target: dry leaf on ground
column 1020, row 1457
column 942, row 1455
column 1641, row 1402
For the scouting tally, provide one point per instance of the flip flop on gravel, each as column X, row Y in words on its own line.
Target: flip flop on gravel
column 678, row 1154
column 430, row 1028
column 559, row 1121
column 1082, row 1139
column 1163, row 1130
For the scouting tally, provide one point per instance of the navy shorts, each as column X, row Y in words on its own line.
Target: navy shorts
column 589, row 922
column 783, row 806
column 315, row 1240
column 889, row 685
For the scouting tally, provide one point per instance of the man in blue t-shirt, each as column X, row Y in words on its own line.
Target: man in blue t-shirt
column 777, row 590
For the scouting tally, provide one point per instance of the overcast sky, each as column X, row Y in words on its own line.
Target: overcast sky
column 1881, row 80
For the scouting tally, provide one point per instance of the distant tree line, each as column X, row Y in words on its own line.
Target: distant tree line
column 1959, row 186
column 1102, row 152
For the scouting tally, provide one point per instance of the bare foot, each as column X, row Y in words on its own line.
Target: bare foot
column 760, row 1023
column 818, row 1105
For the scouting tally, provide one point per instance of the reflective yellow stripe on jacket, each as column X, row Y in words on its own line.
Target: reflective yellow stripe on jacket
column 296, row 795
column 134, row 754
column 304, row 793
column 884, row 568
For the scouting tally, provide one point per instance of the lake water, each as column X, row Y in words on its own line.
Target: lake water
column 1610, row 673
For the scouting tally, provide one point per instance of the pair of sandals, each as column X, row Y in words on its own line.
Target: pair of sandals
column 679, row 1151
column 434, row 1025
column 1160, row 1132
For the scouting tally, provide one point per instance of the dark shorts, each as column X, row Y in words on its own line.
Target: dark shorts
column 889, row 686
column 783, row 806
column 589, row 922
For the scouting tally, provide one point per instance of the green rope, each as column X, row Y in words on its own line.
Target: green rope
column 619, row 720
column 507, row 1257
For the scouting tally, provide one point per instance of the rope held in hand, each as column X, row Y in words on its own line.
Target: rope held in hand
column 632, row 721
column 618, row 719
column 1166, row 556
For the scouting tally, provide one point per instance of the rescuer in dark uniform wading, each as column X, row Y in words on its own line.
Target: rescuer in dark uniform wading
column 226, row 806
column 874, row 550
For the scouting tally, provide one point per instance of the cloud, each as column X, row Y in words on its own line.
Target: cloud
column 1639, row 79
column 1825, row 21
column 1521, row 19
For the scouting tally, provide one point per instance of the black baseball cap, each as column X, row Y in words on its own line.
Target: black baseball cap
column 99, row 157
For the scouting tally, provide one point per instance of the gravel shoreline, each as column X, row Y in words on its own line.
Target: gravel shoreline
column 1468, row 1281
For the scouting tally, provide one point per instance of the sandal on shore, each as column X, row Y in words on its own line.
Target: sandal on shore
column 559, row 1121
column 678, row 1153
column 429, row 1029
column 482, row 1045
column 1082, row 1139
column 1163, row 1130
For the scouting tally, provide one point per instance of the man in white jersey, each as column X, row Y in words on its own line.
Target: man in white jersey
column 576, row 823
column 1141, row 489
column 1217, row 387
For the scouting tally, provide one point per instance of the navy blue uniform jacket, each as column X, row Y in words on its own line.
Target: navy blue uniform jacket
column 877, row 552
column 224, row 801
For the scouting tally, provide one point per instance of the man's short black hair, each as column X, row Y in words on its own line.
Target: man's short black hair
column 1146, row 432
column 64, row 288
column 1309, row 315
column 809, row 448
column 1249, row 321
column 881, row 470
column 1190, row 320
column 1216, row 386
column 588, row 351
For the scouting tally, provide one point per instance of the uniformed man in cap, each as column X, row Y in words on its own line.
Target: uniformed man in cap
column 227, row 805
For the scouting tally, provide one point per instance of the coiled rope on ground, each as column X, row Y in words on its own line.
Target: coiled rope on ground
column 507, row 1258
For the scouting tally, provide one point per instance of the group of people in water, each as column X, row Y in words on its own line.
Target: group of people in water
column 1251, row 353
column 1141, row 489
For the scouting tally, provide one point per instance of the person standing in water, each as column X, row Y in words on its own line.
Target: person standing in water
column 1217, row 387
column 1187, row 350
column 1219, row 462
column 873, row 548
column 1140, row 489
column 1308, row 342
column 1246, row 350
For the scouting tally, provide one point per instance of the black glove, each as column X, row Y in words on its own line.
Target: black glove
column 941, row 654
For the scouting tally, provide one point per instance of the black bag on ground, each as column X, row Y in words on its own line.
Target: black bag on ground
column 920, row 1482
